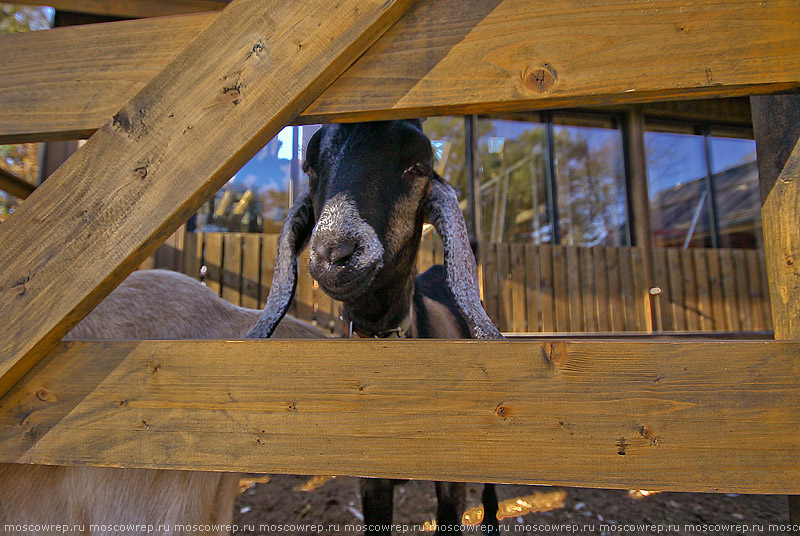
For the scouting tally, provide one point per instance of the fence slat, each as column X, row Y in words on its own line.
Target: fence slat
column 574, row 289
column 615, row 302
column 729, row 288
column 601, row 287
column 304, row 296
column 742, row 292
column 269, row 249
column 490, row 282
column 192, row 254
column 689, row 290
column 232, row 264
column 628, row 291
column 762, row 268
column 676, row 288
column 717, row 290
column 547, row 288
column 641, row 292
column 504, row 286
column 754, row 289
column 664, row 299
column 212, row 258
column 251, row 270
column 425, row 256
column 589, row 291
column 561, row 288
column 706, row 317
column 518, row 287
column 533, row 304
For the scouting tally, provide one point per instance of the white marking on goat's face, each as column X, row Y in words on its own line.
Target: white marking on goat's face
column 345, row 252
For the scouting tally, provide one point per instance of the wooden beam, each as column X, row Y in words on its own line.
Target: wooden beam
column 611, row 414
column 14, row 185
column 252, row 70
column 131, row 8
column 445, row 56
column 776, row 123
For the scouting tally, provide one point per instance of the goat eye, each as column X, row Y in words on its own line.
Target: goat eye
column 416, row 171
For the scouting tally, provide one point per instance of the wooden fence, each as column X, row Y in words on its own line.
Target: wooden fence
column 525, row 287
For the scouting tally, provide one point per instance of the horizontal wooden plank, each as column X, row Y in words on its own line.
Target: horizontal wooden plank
column 700, row 416
column 14, row 185
column 149, row 168
column 444, row 56
column 130, row 8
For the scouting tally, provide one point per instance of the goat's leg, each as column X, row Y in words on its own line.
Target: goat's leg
column 452, row 500
column 377, row 497
column 490, row 525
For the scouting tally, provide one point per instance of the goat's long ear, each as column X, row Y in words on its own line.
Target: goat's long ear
column 294, row 236
column 461, row 273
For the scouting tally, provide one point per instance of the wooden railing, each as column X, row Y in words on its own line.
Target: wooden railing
column 525, row 287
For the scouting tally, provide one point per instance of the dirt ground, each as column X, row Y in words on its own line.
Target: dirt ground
column 292, row 504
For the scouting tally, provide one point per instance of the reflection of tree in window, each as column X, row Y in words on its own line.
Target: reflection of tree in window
column 591, row 186
column 513, row 188
column 513, row 185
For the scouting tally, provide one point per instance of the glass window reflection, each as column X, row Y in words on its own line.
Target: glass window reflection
column 590, row 180
column 680, row 209
column 514, row 196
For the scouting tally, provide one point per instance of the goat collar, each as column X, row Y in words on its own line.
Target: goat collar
column 351, row 331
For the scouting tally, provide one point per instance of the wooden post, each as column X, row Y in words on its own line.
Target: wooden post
column 244, row 77
column 776, row 124
column 639, row 202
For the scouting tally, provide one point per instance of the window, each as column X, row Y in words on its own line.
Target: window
column 703, row 190
column 568, row 170
column 736, row 192
column 679, row 206
column 590, row 180
column 514, row 187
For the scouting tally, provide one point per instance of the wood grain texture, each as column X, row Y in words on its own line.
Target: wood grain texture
column 612, row 414
column 443, row 57
column 776, row 122
column 150, row 167
column 131, row 8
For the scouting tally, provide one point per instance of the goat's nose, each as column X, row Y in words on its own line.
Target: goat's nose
column 335, row 253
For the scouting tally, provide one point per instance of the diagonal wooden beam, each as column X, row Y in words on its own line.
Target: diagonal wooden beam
column 609, row 414
column 444, row 56
column 251, row 71
column 130, row 8
column 15, row 185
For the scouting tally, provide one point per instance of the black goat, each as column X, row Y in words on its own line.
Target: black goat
column 371, row 188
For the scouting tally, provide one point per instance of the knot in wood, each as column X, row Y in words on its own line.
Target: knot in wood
column 45, row 395
column 502, row 411
column 538, row 80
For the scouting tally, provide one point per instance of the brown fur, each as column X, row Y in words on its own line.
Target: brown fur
column 152, row 304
